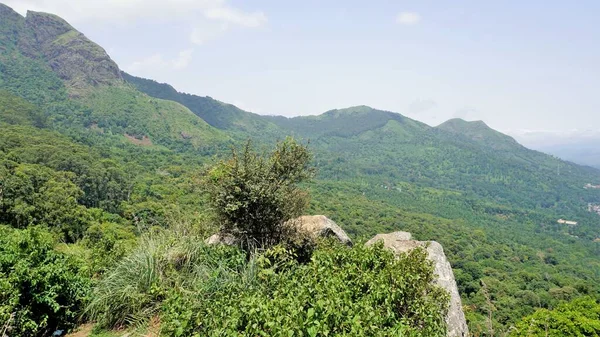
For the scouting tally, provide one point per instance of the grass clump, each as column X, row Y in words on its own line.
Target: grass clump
column 134, row 289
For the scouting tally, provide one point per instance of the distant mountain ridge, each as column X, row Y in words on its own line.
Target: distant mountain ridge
column 481, row 133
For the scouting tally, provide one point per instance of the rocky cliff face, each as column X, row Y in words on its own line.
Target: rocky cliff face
column 79, row 62
column 401, row 242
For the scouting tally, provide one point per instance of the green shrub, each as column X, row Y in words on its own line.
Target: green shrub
column 341, row 292
column 107, row 243
column 41, row 290
column 254, row 195
column 580, row 317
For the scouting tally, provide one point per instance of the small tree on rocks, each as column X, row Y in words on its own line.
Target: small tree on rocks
column 254, row 195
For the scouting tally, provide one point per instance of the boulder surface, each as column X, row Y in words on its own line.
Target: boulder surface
column 316, row 226
column 320, row 226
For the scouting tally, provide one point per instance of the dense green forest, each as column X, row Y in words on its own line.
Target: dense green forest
column 103, row 191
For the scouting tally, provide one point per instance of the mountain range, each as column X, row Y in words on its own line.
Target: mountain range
column 492, row 203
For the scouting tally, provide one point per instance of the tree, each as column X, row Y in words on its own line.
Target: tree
column 254, row 195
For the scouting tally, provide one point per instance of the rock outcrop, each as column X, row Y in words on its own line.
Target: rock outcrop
column 316, row 226
column 401, row 242
column 78, row 61
column 320, row 226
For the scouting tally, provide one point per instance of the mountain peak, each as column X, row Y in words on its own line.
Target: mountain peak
column 79, row 62
column 46, row 27
column 479, row 132
column 7, row 12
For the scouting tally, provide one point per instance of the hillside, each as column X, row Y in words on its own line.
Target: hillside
column 218, row 114
column 49, row 63
column 479, row 132
column 107, row 173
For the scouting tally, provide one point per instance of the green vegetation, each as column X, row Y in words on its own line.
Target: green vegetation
column 254, row 196
column 103, row 186
column 340, row 292
column 41, row 289
column 580, row 317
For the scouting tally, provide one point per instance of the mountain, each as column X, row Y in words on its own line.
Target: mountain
column 218, row 114
column 47, row 62
column 479, row 132
column 99, row 156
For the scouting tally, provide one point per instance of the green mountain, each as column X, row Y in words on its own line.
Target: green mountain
column 98, row 157
column 218, row 114
column 49, row 63
column 479, row 132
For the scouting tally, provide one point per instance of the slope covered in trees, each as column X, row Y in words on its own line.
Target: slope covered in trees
column 90, row 163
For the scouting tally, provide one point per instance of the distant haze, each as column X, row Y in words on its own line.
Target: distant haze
column 517, row 65
column 582, row 147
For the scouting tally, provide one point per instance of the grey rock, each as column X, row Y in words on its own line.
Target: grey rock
column 400, row 242
column 79, row 62
column 320, row 226
column 221, row 239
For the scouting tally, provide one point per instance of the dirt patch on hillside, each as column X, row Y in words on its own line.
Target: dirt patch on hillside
column 145, row 141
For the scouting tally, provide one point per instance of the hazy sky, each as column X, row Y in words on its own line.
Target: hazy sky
column 518, row 65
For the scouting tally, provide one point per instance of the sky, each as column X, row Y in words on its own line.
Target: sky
column 527, row 68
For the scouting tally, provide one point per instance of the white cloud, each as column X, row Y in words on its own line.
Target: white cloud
column 209, row 18
column 408, row 18
column 236, row 17
column 158, row 62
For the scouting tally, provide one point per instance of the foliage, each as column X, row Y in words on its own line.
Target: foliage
column 580, row 317
column 340, row 292
column 83, row 166
column 41, row 290
column 254, row 195
column 132, row 291
column 33, row 194
column 107, row 244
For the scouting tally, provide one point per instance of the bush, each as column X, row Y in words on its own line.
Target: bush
column 254, row 195
column 41, row 290
column 580, row 317
column 342, row 292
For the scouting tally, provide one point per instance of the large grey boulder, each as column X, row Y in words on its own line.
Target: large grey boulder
column 315, row 226
column 320, row 226
column 400, row 242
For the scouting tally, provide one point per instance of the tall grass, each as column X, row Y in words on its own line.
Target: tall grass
column 132, row 292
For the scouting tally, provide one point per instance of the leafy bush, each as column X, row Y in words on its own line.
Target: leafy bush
column 41, row 290
column 580, row 317
column 342, row 292
column 34, row 194
column 107, row 243
column 254, row 195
